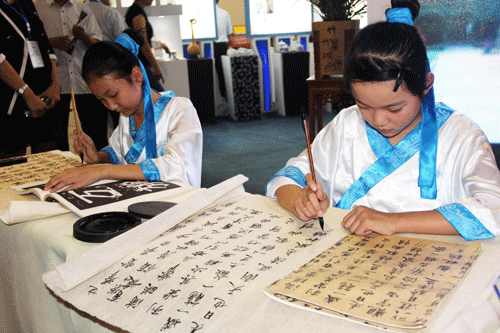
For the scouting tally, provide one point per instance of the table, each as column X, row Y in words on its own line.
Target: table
column 243, row 79
column 320, row 92
column 175, row 72
column 291, row 70
column 35, row 247
column 201, row 88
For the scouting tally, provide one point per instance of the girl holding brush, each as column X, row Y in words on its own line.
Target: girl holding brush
column 396, row 160
column 159, row 137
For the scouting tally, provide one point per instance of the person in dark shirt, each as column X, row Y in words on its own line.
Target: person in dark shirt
column 137, row 19
column 29, row 84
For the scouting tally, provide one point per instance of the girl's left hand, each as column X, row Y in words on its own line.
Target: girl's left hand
column 363, row 221
column 75, row 178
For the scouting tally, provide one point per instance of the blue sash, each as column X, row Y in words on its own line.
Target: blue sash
column 140, row 137
column 428, row 145
column 149, row 140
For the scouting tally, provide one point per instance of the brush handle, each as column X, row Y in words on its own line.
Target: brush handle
column 311, row 163
column 309, row 153
column 78, row 124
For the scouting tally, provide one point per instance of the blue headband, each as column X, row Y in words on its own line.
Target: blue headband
column 127, row 42
column 429, row 131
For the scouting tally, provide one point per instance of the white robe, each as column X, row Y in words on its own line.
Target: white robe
column 467, row 173
column 179, row 144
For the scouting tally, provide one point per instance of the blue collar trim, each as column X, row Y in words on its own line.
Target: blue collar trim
column 147, row 99
column 140, row 137
column 390, row 158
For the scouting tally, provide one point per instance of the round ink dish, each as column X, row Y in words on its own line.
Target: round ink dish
column 98, row 228
column 149, row 209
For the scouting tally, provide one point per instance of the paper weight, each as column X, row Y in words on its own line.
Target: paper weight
column 98, row 228
column 149, row 209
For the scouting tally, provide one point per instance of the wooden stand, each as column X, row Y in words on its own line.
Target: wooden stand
column 319, row 93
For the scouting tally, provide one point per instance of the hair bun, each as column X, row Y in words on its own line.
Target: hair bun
column 412, row 5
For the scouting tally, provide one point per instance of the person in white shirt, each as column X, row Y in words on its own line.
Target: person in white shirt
column 110, row 21
column 71, row 28
column 224, row 30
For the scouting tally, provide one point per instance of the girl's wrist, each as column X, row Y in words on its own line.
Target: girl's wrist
column 105, row 171
column 400, row 223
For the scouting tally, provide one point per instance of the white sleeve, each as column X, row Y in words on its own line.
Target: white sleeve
column 294, row 169
column 116, row 147
column 118, row 23
column 470, row 178
column 229, row 25
column 324, row 148
column 91, row 26
column 480, row 179
column 181, row 150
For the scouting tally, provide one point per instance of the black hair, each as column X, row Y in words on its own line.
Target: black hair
column 103, row 58
column 387, row 51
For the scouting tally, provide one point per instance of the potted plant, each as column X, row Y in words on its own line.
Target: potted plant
column 333, row 37
column 338, row 10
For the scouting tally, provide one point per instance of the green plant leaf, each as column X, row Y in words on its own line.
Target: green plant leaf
column 338, row 10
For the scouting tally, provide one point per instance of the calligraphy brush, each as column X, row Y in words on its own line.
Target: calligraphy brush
column 306, row 132
column 78, row 124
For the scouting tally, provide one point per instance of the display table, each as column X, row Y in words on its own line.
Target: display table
column 243, row 86
column 175, row 73
column 201, row 87
column 32, row 248
column 320, row 92
column 291, row 70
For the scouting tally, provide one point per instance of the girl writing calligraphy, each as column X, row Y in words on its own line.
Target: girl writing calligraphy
column 397, row 160
column 159, row 137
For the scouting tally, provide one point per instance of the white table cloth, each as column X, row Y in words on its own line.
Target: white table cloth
column 36, row 247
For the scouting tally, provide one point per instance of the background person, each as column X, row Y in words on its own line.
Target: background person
column 112, row 24
column 110, row 21
column 137, row 20
column 70, row 38
column 224, row 29
column 26, row 77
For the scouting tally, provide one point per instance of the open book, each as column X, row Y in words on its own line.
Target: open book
column 391, row 282
column 38, row 167
column 103, row 196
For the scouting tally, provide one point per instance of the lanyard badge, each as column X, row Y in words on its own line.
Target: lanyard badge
column 33, row 47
